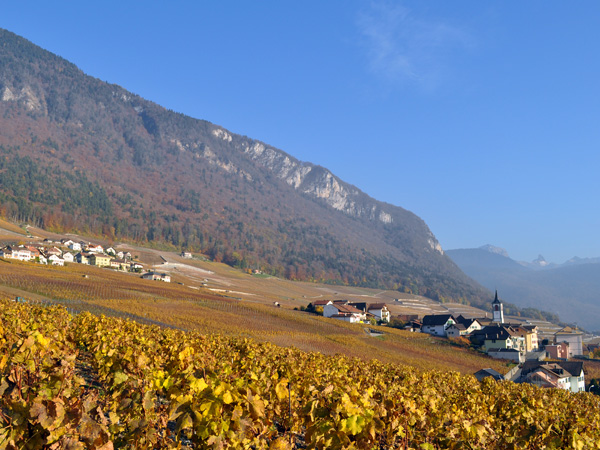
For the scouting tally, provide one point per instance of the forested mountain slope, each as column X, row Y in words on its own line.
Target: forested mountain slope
column 77, row 153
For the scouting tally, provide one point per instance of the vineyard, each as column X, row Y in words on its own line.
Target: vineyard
column 101, row 291
column 83, row 381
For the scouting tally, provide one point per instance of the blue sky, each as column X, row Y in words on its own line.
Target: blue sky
column 483, row 118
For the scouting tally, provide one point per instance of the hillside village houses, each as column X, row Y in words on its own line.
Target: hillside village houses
column 87, row 253
column 518, row 343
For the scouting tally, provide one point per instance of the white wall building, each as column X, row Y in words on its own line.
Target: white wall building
column 572, row 337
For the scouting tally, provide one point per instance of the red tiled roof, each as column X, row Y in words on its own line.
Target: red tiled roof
column 348, row 309
column 320, row 302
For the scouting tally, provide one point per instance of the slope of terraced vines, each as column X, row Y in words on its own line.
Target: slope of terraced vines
column 94, row 382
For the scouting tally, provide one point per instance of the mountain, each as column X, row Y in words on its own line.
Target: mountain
column 539, row 263
column 77, row 153
column 571, row 290
column 575, row 261
column 493, row 249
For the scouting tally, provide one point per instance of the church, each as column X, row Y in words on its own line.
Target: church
column 498, row 310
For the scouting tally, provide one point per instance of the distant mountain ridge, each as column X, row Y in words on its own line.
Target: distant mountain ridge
column 571, row 290
column 77, row 153
column 540, row 262
column 493, row 249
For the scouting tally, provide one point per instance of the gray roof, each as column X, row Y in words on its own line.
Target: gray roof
column 435, row 320
column 484, row 373
column 497, row 332
column 572, row 367
column 465, row 321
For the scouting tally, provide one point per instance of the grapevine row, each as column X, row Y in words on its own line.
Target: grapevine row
column 162, row 388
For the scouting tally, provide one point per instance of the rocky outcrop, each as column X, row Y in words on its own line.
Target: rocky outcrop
column 316, row 182
column 26, row 96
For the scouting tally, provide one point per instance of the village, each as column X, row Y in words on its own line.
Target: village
column 57, row 253
column 546, row 363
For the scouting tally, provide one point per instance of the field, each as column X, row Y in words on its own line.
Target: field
column 201, row 308
column 11, row 231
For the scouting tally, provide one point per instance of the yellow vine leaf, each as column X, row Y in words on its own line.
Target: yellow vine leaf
column 353, row 424
column 198, row 385
column 281, row 389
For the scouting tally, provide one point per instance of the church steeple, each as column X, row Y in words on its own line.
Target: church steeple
column 496, row 298
column 498, row 309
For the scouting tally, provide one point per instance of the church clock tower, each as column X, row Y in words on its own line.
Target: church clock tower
column 498, row 309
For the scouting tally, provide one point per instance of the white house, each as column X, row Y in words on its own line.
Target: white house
column 463, row 327
column 437, row 324
column 22, row 253
column 53, row 251
column 68, row 257
column 56, row 260
column 157, row 276
column 469, row 324
column 456, row 330
column 119, row 264
column 19, row 253
column 95, row 248
column 343, row 312
column 75, row 246
column 379, row 310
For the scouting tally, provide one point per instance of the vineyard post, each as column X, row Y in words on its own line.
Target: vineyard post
column 290, row 409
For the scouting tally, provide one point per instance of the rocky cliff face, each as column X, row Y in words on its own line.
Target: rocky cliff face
column 317, row 182
column 25, row 96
